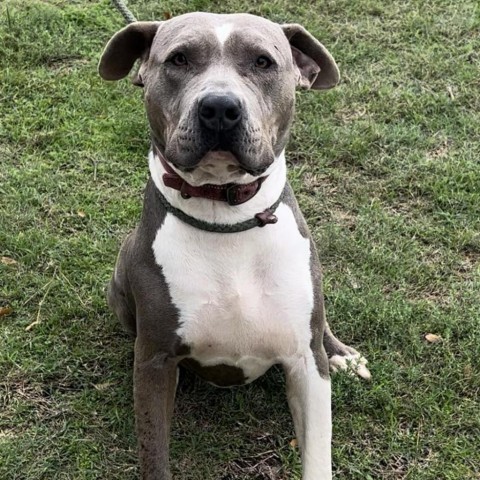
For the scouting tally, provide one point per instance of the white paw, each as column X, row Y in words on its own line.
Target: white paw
column 352, row 363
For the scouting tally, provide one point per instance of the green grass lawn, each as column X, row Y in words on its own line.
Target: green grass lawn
column 387, row 170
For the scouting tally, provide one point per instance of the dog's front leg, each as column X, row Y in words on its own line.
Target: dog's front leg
column 309, row 397
column 155, row 376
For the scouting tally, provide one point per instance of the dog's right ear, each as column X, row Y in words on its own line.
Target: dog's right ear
column 124, row 48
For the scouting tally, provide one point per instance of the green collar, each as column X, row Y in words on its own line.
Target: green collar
column 259, row 220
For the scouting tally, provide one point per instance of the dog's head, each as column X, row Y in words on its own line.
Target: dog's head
column 220, row 86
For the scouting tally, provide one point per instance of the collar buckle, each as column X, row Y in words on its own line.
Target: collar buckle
column 237, row 194
column 183, row 191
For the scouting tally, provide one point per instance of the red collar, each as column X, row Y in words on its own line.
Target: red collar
column 232, row 193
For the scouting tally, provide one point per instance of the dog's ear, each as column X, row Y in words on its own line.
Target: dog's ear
column 316, row 67
column 124, row 48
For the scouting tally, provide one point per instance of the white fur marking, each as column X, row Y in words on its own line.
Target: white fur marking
column 309, row 397
column 245, row 299
column 354, row 364
column 223, row 32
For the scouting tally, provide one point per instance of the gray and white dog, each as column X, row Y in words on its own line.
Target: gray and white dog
column 221, row 275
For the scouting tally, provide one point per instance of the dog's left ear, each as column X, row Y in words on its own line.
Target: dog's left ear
column 316, row 67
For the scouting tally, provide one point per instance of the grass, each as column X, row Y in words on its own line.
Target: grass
column 386, row 168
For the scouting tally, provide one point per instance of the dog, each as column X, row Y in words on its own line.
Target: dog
column 221, row 275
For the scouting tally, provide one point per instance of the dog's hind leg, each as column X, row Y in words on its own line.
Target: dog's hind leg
column 118, row 303
column 118, row 294
column 343, row 357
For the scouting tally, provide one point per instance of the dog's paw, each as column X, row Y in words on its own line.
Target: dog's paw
column 350, row 361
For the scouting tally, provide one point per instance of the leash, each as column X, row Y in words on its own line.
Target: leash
column 123, row 9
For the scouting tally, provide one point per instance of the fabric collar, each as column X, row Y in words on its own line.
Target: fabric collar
column 258, row 220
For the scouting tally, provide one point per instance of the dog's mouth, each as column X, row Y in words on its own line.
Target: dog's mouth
column 220, row 159
column 220, row 163
column 216, row 167
column 228, row 156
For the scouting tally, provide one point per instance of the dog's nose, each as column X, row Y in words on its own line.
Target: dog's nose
column 219, row 112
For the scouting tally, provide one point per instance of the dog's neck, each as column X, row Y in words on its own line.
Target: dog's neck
column 220, row 212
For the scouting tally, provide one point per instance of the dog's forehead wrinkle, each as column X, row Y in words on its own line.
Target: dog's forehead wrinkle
column 200, row 44
column 249, row 43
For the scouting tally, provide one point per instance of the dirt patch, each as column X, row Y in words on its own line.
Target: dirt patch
column 266, row 465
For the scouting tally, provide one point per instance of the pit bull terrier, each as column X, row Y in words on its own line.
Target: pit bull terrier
column 222, row 276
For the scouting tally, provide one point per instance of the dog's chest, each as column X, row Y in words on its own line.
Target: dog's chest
column 244, row 299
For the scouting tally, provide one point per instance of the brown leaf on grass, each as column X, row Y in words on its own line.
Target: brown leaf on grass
column 294, row 443
column 4, row 311
column 81, row 213
column 8, row 261
column 432, row 338
column 167, row 15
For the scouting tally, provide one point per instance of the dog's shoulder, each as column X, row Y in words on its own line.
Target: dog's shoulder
column 291, row 201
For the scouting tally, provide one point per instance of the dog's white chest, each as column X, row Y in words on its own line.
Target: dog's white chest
column 244, row 299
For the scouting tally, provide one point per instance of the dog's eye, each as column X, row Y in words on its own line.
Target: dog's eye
column 179, row 60
column 263, row 62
